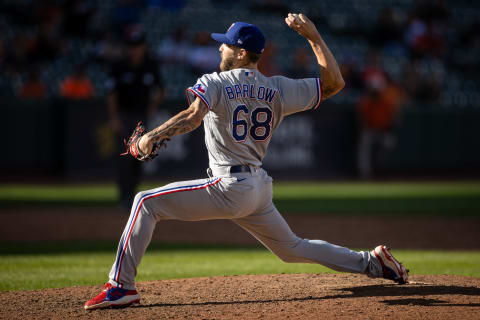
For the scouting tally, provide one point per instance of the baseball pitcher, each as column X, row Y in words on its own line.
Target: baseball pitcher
column 240, row 109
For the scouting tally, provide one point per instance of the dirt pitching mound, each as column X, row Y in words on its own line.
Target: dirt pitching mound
column 300, row 296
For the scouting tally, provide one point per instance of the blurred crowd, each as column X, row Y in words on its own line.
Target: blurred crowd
column 393, row 54
column 412, row 50
column 41, row 34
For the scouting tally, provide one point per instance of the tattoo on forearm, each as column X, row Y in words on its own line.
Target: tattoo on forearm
column 179, row 124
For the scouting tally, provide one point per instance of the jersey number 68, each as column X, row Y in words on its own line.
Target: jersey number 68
column 260, row 120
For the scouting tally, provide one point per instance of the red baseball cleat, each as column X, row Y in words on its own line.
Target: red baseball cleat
column 113, row 297
column 391, row 267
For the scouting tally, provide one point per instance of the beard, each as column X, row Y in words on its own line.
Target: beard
column 226, row 64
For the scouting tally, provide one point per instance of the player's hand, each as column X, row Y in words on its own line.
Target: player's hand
column 303, row 25
column 145, row 144
column 142, row 146
column 151, row 144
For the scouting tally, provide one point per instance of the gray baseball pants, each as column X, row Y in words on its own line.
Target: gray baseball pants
column 246, row 199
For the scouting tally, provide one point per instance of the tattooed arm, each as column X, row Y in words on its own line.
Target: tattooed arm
column 332, row 81
column 185, row 121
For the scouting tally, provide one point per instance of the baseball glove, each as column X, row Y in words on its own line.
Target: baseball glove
column 133, row 148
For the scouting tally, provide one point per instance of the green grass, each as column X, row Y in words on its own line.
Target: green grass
column 58, row 193
column 38, row 266
column 446, row 198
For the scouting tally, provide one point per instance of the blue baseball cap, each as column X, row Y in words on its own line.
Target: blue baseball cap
column 243, row 35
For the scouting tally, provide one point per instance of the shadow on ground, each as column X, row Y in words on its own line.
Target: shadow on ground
column 370, row 291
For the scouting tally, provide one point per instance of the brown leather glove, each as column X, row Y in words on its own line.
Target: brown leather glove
column 133, row 148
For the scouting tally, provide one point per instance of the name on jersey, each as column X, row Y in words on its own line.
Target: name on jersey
column 250, row 91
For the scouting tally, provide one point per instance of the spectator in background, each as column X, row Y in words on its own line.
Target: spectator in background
column 135, row 92
column 425, row 34
column 373, row 75
column 423, row 85
column 203, row 56
column 301, row 64
column 351, row 75
column 47, row 44
column 175, row 47
column 108, row 49
column 378, row 115
column 33, row 87
column 429, row 43
column 78, row 85
column 267, row 65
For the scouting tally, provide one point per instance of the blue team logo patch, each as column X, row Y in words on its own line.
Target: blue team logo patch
column 200, row 88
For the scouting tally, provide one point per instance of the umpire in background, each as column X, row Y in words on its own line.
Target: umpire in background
column 135, row 91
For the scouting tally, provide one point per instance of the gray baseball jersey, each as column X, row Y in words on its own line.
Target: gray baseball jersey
column 245, row 108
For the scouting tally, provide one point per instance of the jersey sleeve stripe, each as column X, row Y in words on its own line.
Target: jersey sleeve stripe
column 198, row 95
column 319, row 93
column 124, row 241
